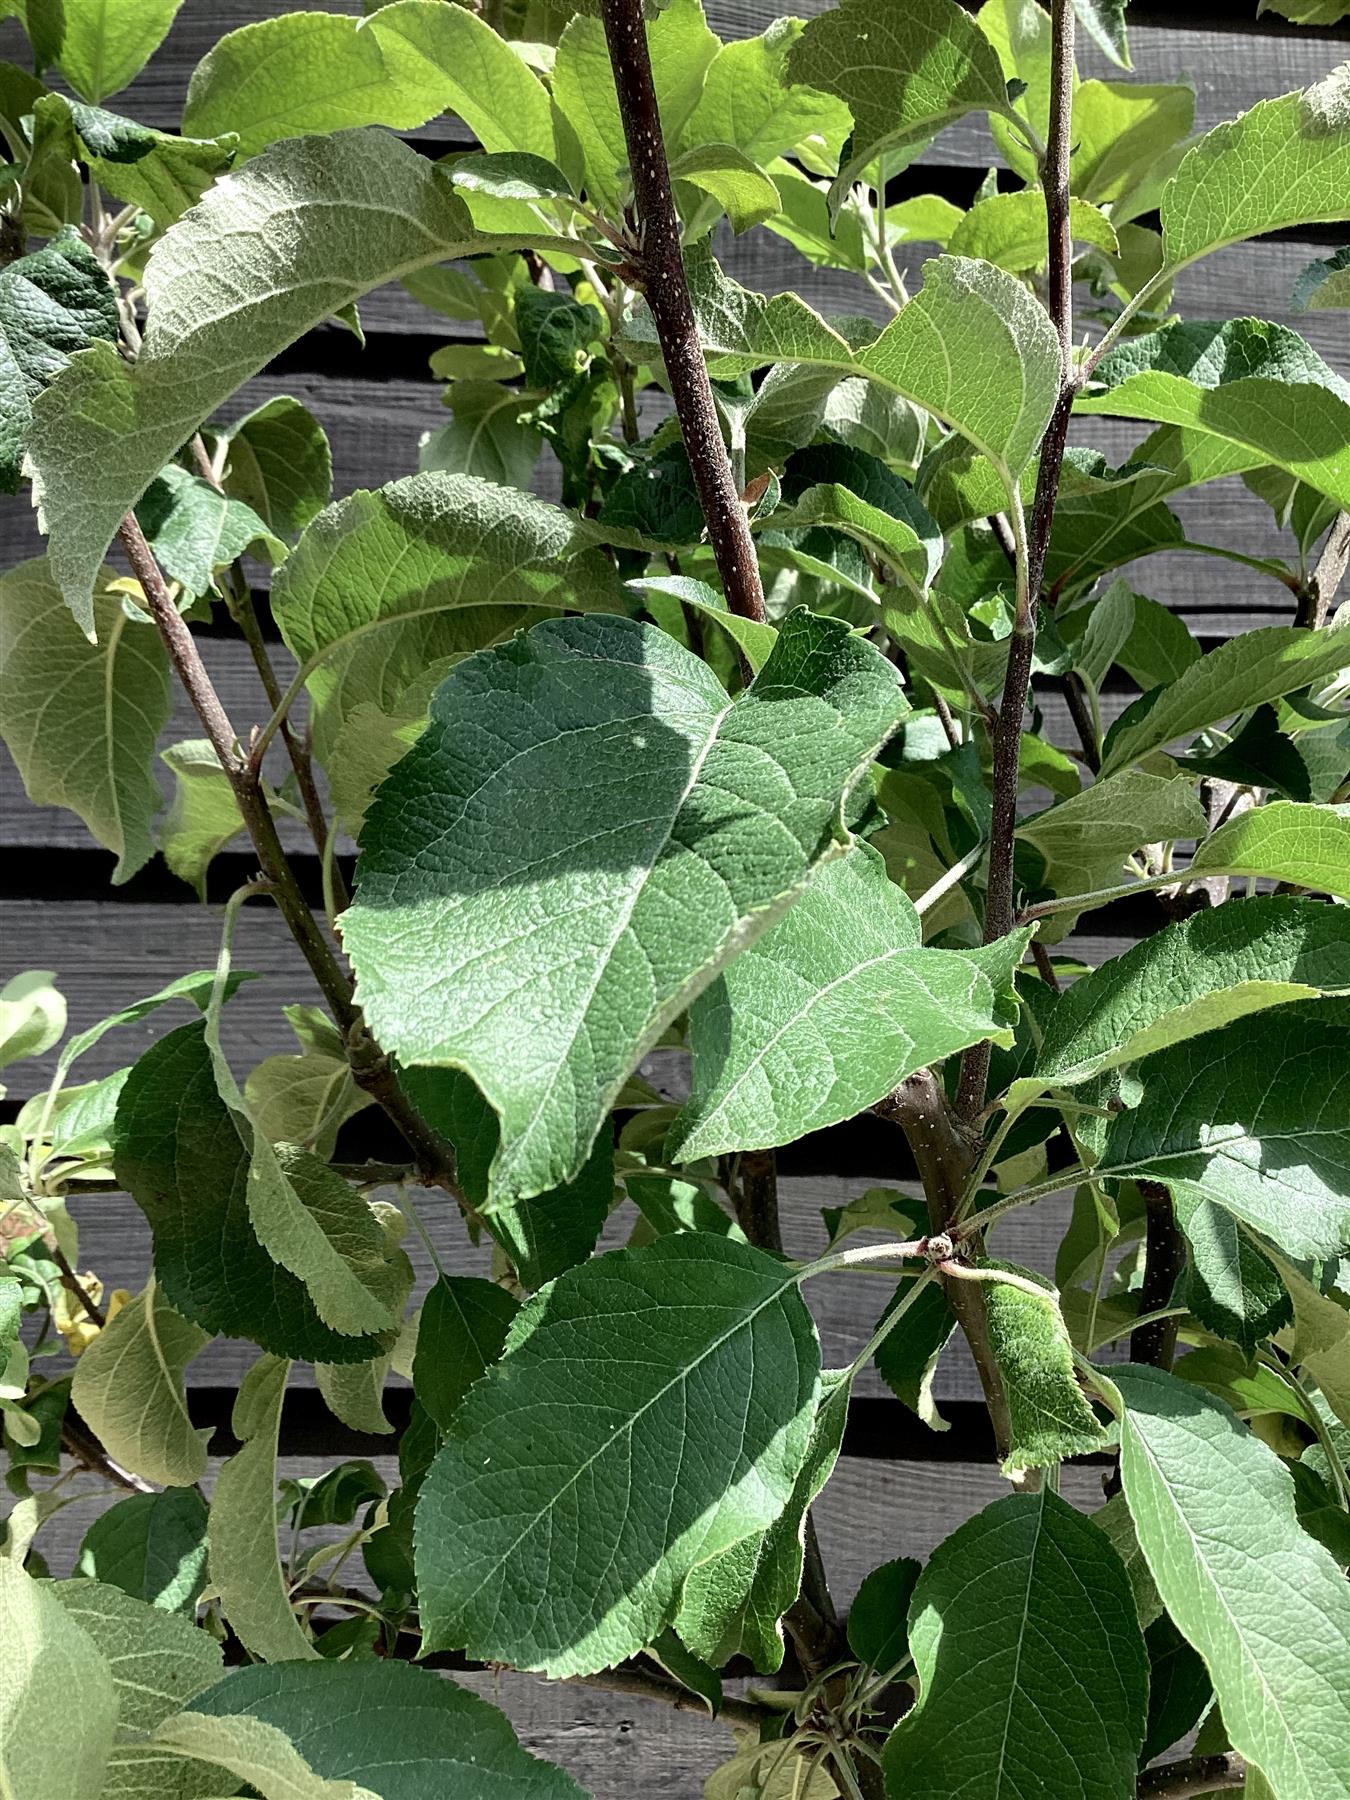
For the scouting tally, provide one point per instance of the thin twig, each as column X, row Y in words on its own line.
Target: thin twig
column 1033, row 545
column 73, row 1285
column 370, row 1067
column 1191, row 1776
column 1164, row 1259
column 1314, row 601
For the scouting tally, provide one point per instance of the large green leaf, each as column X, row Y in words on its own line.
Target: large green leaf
column 747, row 101
column 629, row 831
column 829, row 1011
column 903, row 72
column 733, row 1603
column 398, row 1733
column 278, row 461
column 1258, row 1122
column 1083, row 841
column 384, row 585
column 1306, row 845
column 1033, row 1678
column 81, row 719
column 972, row 346
column 313, row 72
column 687, row 1436
column 129, row 1390
column 157, row 171
column 158, row 1662
column 195, row 529
column 152, row 1546
column 1286, row 162
column 1247, row 383
column 104, row 429
column 1232, row 1287
column 101, row 44
column 461, row 1331
column 1244, row 672
column 1266, row 1607
column 50, row 1670
column 209, row 1259
column 244, row 1559
column 52, row 303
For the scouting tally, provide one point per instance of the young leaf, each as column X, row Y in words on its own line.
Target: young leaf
column 103, row 429
column 243, row 1556
column 1032, row 1673
column 81, row 719
column 52, row 303
column 904, row 74
column 278, row 462
column 209, row 1260
column 1286, row 162
column 702, row 1369
column 1010, row 230
column 152, row 1546
column 736, row 182
column 748, row 101
column 129, row 1389
column 1325, row 284
column 32, row 1015
column 194, row 529
column 649, row 864
column 395, row 1732
column 829, row 1011
column 753, row 637
column 158, row 171
column 312, row 72
column 1257, row 1123
column 878, row 1620
column 102, row 44
column 1193, row 977
column 1050, row 1417
column 733, row 1603
column 461, row 1333
column 1231, row 1287
column 50, row 1669
column 463, row 563
column 203, row 816
column 1306, row 845
column 908, row 1355
column 1084, row 841
column 305, row 1099
column 1264, row 1604
column 1104, row 21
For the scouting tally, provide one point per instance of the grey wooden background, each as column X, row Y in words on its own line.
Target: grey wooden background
column 898, row 1489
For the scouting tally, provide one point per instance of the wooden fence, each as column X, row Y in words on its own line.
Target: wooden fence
column 899, row 1488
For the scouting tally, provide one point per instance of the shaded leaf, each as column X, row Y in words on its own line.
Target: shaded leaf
column 129, row 1388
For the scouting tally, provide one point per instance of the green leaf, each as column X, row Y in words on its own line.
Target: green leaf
column 1323, row 285
column 1306, row 12
column 158, row 171
column 1231, row 1287
column 972, row 346
column 1179, row 1688
column 541, row 1234
column 1126, row 138
column 1084, row 841
column 203, row 816
column 314, row 73
column 52, row 303
column 878, row 1620
column 152, row 1546
column 50, row 1670
column 196, row 988
column 751, row 636
column 486, row 436
column 1192, row 977
column 735, row 181
column 401, row 1733
column 1306, row 845
column 158, row 1662
column 1032, row 1673
column 734, row 1602
column 1256, row 1123
column 253, row 1752
column 194, row 529
column 1266, row 1607
column 1104, row 22
column 102, row 44
column 1050, row 1419
column 129, row 1390
column 835, row 485
column 1284, row 163
column 1245, row 383
column 103, row 430
column 1321, row 1336
column 81, row 719
column 682, row 50
column 463, row 563
column 702, row 1372
column 209, row 1260
column 652, row 864
column 1010, row 230
column 511, row 175
column 748, row 101
column 32, row 1015
column 278, row 462
column 461, row 1333
column 305, row 1099
column 908, row 1356
column 903, row 74
column 829, row 1011
column 244, row 1559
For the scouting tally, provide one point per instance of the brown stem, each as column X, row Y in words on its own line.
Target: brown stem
column 370, row 1066
column 1164, row 1259
column 81, row 1444
column 998, row 910
column 756, row 1198
column 1314, row 601
column 1081, row 714
column 73, row 1285
column 666, row 289
column 1191, row 1776
column 943, row 1151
